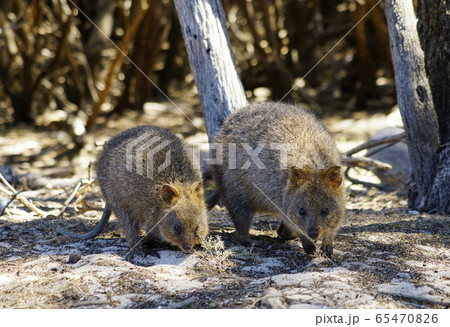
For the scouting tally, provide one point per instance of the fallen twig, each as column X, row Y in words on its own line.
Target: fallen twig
column 80, row 191
column 366, row 163
column 83, row 191
column 369, row 163
column 10, row 191
column 69, row 199
column 94, row 302
column 418, row 298
column 373, row 143
column 9, row 202
column 366, row 184
column 184, row 303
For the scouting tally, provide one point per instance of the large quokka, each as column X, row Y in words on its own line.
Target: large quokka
column 149, row 182
column 279, row 159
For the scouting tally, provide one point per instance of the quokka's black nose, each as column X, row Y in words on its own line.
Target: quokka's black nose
column 186, row 247
column 313, row 233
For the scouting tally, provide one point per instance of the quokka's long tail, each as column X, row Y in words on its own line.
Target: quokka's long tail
column 98, row 228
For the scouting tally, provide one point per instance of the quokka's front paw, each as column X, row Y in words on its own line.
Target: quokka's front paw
column 285, row 234
column 327, row 249
column 327, row 246
column 308, row 246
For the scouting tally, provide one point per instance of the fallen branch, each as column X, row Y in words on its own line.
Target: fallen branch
column 10, row 191
column 5, row 208
column 369, row 163
column 418, row 298
column 80, row 190
column 373, row 143
column 360, row 182
column 69, row 199
column 81, row 194
column 184, row 303
column 93, row 303
column 83, row 191
column 365, row 162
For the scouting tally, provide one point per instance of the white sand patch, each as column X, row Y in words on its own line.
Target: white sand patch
column 267, row 266
column 408, row 289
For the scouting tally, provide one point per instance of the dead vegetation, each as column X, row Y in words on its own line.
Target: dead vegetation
column 385, row 257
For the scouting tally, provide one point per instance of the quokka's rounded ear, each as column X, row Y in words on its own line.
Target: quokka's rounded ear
column 299, row 176
column 169, row 194
column 197, row 189
column 332, row 177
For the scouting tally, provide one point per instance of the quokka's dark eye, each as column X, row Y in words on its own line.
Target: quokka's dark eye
column 302, row 212
column 324, row 212
column 177, row 229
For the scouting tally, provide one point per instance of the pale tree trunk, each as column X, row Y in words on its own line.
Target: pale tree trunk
column 211, row 60
column 415, row 101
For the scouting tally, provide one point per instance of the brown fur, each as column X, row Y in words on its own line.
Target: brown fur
column 169, row 206
column 311, row 179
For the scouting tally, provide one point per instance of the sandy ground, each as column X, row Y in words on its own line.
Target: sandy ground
column 386, row 256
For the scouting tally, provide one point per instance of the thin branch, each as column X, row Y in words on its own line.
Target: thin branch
column 83, row 190
column 69, row 199
column 94, row 303
column 185, row 303
column 364, row 162
column 80, row 191
column 360, row 182
column 373, row 143
column 10, row 191
column 418, row 299
column 369, row 163
column 8, row 203
column 380, row 148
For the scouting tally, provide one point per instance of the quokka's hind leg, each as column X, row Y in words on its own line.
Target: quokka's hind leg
column 130, row 229
column 241, row 214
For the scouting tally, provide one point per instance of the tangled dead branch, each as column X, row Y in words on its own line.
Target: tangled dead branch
column 80, row 191
column 11, row 192
column 369, row 163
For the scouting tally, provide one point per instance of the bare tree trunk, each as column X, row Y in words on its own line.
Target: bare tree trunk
column 211, row 60
column 434, row 31
column 414, row 99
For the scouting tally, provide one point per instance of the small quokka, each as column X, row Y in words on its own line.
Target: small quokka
column 148, row 179
column 279, row 159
